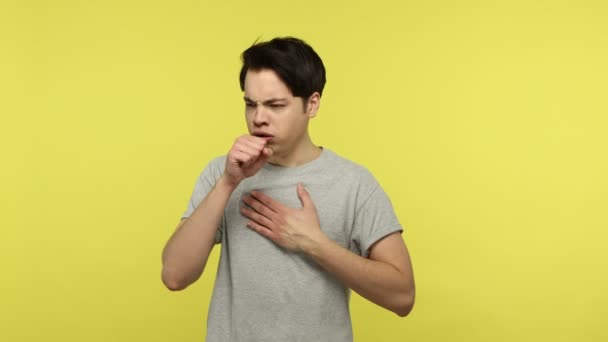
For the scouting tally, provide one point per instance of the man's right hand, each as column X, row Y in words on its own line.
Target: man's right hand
column 245, row 158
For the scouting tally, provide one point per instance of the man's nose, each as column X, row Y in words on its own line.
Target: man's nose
column 260, row 116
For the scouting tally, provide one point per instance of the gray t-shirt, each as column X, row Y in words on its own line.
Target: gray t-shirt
column 265, row 293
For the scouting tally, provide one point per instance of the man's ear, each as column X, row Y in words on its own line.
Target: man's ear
column 312, row 104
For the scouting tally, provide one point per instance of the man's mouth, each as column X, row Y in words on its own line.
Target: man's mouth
column 266, row 136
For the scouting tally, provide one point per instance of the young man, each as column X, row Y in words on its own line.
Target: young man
column 299, row 225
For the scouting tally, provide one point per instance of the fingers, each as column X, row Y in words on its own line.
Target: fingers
column 247, row 151
column 241, row 158
column 256, row 204
column 267, row 151
column 259, row 216
column 252, row 142
column 263, row 231
column 267, row 201
column 256, row 217
column 246, row 145
column 304, row 196
column 246, row 157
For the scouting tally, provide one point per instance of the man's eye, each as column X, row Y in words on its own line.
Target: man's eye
column 249, row 105
column 277, row 105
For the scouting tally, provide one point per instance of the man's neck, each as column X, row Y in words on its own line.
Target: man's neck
column 303, row 154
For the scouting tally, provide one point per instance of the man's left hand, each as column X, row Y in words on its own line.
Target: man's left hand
column 297, row 230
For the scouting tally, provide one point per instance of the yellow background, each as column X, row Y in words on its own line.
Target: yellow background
column 485, row 122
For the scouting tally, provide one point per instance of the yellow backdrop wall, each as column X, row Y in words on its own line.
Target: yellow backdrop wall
column 485, row 121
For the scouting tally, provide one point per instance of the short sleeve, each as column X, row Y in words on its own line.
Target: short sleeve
column 375, row 217
column 204, row 183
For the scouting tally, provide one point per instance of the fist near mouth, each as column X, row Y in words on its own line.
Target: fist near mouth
column 246, row 157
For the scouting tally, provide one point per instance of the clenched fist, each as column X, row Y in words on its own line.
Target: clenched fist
column 245, row 158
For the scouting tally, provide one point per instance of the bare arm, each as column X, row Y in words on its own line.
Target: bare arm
column 185, row 254
column 386, row 278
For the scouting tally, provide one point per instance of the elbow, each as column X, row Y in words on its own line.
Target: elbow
column 406, row 304
column 172, row 282
column 404, row 310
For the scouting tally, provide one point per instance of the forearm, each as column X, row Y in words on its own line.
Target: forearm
column 379, row 282
column 185, row 254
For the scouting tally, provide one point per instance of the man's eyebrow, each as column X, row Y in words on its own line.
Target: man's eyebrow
column 271, row 100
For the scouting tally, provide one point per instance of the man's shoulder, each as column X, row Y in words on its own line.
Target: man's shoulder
column 214, row 167
column 219, row 161
column 349, row 167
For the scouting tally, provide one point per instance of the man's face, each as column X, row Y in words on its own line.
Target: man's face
column 273, row 112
